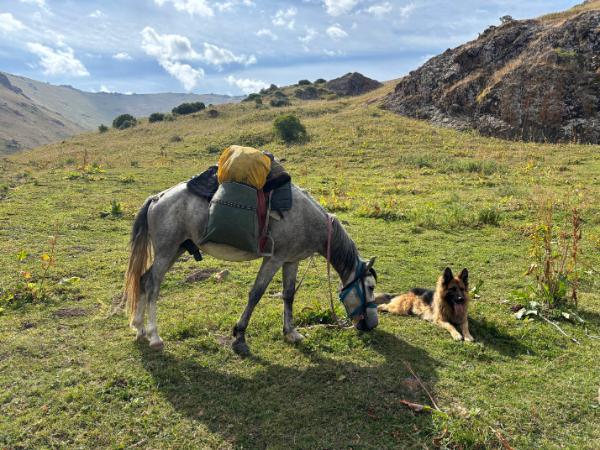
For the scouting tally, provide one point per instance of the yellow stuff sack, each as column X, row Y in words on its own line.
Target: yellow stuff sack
column 245, row 165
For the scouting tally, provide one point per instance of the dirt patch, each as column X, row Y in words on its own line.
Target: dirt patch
column 200, row 275
column 71, row 312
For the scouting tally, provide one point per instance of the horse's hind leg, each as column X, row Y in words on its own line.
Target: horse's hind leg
column 140, row 310
column 290, row 270
column 159, row 268
column 267, row 270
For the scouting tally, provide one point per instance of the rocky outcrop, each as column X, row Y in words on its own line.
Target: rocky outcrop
column 352, row 84
column 535, row 80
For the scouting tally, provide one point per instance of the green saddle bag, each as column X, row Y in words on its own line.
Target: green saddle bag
column 232, row 217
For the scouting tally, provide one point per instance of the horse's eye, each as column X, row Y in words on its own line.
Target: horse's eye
column 371, row 288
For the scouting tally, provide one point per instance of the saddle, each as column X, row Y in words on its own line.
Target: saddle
column 239, row 208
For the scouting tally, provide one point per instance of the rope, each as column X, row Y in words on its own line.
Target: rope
column 329, row 235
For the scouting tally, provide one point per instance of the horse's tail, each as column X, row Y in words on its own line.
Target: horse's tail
column 139, row 259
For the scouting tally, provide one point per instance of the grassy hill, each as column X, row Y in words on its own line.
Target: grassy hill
column 418, row 197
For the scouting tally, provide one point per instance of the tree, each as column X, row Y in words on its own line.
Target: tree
column 156, row 117
column 124, row 121
column 188, row 108
column 102, row 128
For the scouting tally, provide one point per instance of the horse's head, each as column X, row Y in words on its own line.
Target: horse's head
column 357, row 296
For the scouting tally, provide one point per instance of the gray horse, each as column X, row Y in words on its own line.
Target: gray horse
column 168, row 219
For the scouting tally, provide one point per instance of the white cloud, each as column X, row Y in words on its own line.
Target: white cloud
column 247, row 85
column 122, row 56
column 104, row 89
column 405, row 11
column 192, row 7
column 167, row 46
column 58, row 62
column 227, row 6
column 186, row 74
column 335, row 32
column 173, row 47
column 268, row 33
column 97, row 14
column 311, row 33
column 380, row 10
column 218, row 56
column 169, row 50
column 40, row 3
column 339, row 7
column 9, row 24
column 285, row 18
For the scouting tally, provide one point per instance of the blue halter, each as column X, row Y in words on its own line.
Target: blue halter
column 358, row 284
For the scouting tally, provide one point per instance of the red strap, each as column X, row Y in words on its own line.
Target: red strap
column 261, row 211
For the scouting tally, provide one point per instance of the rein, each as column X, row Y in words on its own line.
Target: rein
column 329, row 235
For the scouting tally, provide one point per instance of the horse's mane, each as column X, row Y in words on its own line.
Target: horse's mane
column 343, row 250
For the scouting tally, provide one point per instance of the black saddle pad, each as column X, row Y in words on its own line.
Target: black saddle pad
column 279, row 181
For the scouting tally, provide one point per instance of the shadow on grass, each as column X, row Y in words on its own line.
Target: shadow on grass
column 488, row 333
column 327, row 404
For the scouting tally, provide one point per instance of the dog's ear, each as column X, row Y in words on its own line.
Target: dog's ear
column 448, row 276
column 464, row 276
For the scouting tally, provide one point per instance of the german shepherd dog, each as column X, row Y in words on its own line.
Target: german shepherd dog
column 446, row 306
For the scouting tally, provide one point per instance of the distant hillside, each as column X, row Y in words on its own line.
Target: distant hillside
column 33, row 113
column 532, row 79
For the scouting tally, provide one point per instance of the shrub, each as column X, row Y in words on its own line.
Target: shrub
column 188, row 108
column 279, row 94
column 258, row 101
column 124, row 121
column 321, row 81
column 156, row 117
column 176, row 138
column 303, row 82
column 489, row 216
column 279, row 102
column 102, row 128
column 169, row 118
column 252, row 98
column 289, row 128
column 213, row 148
column 212, row 113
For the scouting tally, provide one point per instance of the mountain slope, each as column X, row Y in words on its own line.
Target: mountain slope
column 26, row 124
column 34, row 113
column 533, row 80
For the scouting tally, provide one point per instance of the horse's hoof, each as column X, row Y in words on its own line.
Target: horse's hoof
column 157, row 345
column 240, row 348
column 293, row 337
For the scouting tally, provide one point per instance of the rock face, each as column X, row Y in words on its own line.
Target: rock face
column 536, row 80
column 352, row 84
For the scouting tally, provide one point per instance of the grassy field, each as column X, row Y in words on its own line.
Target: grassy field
column 418, row 197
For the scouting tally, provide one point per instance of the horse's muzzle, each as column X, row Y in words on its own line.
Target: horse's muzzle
column 363, row 325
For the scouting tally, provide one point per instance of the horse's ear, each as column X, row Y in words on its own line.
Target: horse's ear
column 448, row 276
column 371, row 262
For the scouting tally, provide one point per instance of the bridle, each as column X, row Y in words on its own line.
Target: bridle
column 358, row 283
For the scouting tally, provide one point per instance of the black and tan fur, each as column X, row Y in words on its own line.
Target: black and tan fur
column 446, row 306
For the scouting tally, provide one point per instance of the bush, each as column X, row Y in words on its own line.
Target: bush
column 169, row 118
column 279, row 94
column 124, row 121
column 102, row 128
column 303, row 82
column 289, row 128
column 252, row 98
column 156, row 117
column 212, row 113
column 279, row 102
column 321, row 81
column 188, row 108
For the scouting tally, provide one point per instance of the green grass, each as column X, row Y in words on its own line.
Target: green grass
column 418, row 197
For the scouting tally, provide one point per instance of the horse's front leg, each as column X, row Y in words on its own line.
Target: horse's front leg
column 290, row 270
column 268, row 269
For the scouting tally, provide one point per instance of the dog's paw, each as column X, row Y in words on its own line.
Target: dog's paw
column 469, row 338
column 457, row 336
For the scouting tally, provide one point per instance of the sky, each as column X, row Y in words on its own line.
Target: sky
column 236, row 46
